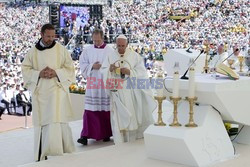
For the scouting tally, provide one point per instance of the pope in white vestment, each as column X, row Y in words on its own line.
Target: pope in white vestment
column 50, row 94
column 132, row 107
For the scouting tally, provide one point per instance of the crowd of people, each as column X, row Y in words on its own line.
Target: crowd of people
column 19, row 30
column 149, row 24
column 145, row 22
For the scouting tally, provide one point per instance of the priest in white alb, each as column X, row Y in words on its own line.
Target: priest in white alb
column 132, row 106
column 96, row 118
column 218, row 58
column 48, row 71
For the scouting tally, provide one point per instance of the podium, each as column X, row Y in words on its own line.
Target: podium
column 219, row 99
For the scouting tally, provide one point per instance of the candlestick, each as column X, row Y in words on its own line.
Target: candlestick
column 175, row 117
column 160, row 121
column 191, row 122
column 241, row 60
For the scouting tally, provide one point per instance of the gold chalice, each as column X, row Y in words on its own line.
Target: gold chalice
column 241, row 60
column 230, row 62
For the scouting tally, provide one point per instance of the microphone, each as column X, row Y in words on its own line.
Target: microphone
column 184, row 75
column 188, row 50
column 236, row 50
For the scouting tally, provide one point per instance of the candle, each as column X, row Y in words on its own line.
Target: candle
column 176, row 84
column 191, row 83
column 159, row 91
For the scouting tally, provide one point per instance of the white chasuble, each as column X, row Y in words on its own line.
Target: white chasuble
column 50, row 98
column 132, row 105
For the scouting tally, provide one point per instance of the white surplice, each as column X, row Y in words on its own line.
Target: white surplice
column 131, row 111
column 96, row 98
column 51, row 103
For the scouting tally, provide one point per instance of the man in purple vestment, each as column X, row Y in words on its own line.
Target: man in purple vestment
column 96, row 118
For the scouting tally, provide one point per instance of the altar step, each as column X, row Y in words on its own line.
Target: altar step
column 130, row 155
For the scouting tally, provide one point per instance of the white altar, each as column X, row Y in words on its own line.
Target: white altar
column 77, row 101
column 219, row 99
column 229, row 97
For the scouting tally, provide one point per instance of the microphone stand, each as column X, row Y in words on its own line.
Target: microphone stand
column 184, row 75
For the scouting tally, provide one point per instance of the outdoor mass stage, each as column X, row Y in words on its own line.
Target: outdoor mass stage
column 17, row 150
column 134, row 154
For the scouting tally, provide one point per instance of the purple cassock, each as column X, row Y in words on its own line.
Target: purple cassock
column 96, row 118
column 96, row 125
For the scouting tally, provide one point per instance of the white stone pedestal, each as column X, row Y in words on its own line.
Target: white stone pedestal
column 200, row 146
column 244, row 135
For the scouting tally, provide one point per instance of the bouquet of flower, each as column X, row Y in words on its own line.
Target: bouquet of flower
column 73, row 88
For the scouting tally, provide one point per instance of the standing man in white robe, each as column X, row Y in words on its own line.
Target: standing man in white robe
column 132, row 105
column 96, row 118
column 48, row 72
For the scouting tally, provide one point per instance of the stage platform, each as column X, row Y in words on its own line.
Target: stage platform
column 16, row 149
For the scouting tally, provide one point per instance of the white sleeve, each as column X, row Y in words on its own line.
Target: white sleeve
column 85, row 65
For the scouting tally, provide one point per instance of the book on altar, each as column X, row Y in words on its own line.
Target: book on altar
column 225, row 70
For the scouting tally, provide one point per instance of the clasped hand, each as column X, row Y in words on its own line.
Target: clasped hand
column 96, row 65
column 47, row 73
